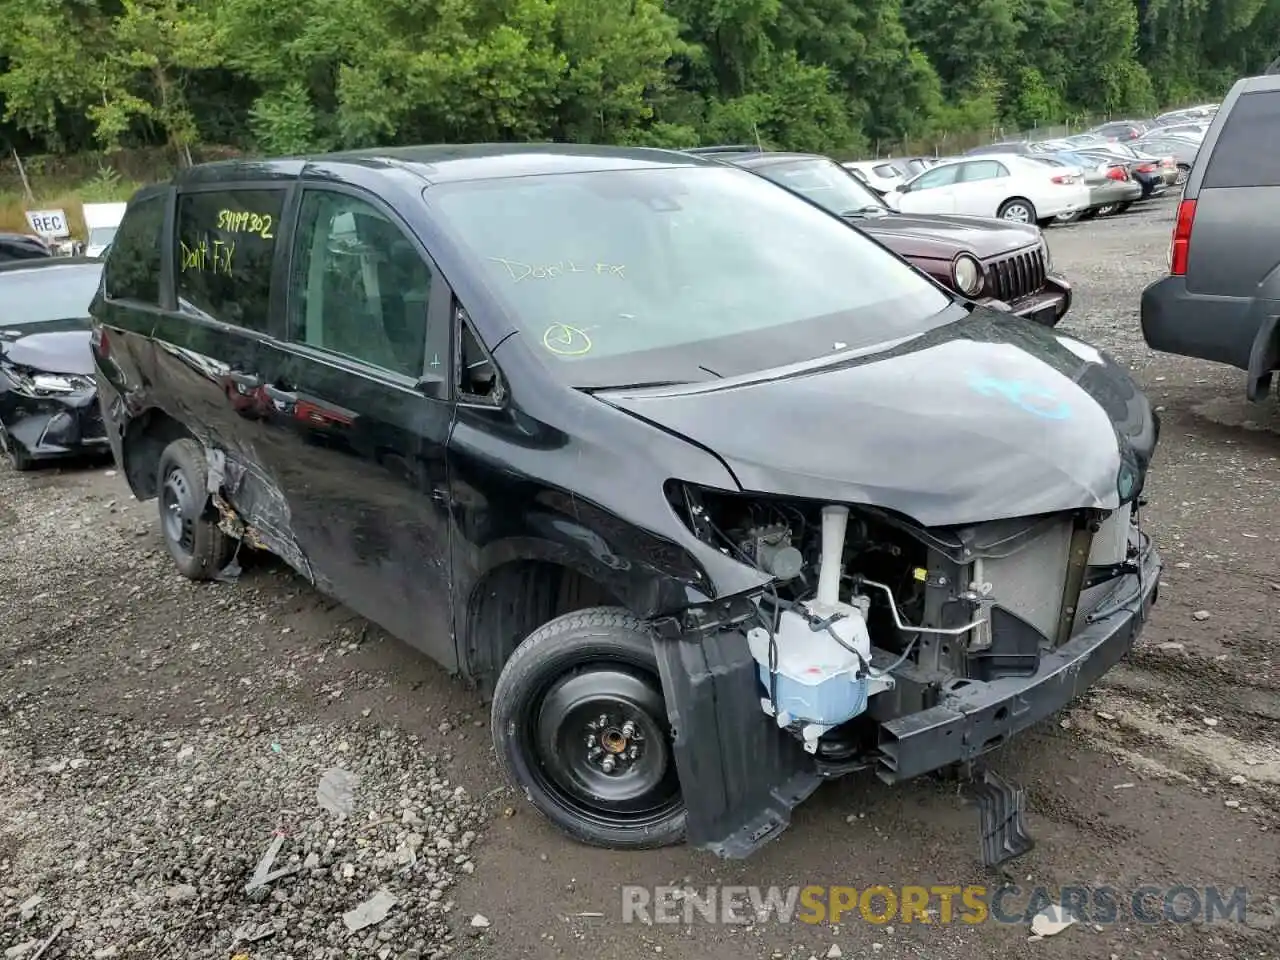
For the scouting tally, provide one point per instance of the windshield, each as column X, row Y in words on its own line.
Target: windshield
column 47, row 293
column 824, row 182
column 679, row 273
column 101, row 236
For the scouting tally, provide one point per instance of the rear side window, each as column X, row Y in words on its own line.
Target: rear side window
column 941, row 177
column 1248, row 149
column 226, row 243
column 132, row 270
column 983, row 170
column 885, row 170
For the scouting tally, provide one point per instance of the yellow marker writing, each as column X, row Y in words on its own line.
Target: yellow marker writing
column 566, row 341
column 242, row 221
column 206, row 257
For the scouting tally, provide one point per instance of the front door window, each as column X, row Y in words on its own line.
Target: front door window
column 359, row 287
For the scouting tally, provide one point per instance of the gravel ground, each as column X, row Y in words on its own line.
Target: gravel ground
column 156, row 737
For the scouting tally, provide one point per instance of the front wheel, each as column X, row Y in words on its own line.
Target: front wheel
column 18, row 458
column 1017, row 210
column 580, row 725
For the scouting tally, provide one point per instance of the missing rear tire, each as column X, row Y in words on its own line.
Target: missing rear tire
column 580, row 725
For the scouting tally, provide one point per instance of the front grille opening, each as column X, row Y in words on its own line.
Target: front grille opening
column 1017, row 275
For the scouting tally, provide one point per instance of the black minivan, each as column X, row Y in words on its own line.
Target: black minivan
column 716, row 497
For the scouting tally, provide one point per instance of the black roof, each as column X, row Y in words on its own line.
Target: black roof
column 42, row 263
column 441, row 163
column 757, row 158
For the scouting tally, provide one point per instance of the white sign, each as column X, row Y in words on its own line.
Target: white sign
column 50, row 224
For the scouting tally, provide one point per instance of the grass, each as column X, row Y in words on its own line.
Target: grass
column 106, row 187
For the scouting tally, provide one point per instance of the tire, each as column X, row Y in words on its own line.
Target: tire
column 1184, row 173
column 1017, row 205
column 1089, row 214
column 190, row 534
column 1063, row 219
column 18, row 458
column 1107, row 209
column 595, row 663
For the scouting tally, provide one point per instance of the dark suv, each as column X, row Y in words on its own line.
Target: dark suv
column 716, row 496
column 1221, row 299
column 982, row 258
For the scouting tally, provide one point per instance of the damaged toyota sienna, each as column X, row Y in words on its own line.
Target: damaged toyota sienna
column 714, row 497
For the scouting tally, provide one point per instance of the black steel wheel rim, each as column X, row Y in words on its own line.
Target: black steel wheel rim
column 178, row 511
column 596, row 737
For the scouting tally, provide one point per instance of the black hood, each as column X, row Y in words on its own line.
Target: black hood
column 53, row 346
column 983, row 419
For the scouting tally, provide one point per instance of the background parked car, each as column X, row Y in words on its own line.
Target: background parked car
column 1085, row 139
column 1120, row 131
column 1111, row 188
column 1011, row 187
column 48, row 400
column 1205, row 111
column 912, row 166
column 1004, row 146
column 979, row 258
column 1218, row 302
column 1147, row 170
column 880, row 175
column 1196, row 129
column 22, row 246
column 1184, row 152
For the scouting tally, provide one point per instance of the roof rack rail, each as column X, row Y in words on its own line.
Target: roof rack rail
column 728, row 148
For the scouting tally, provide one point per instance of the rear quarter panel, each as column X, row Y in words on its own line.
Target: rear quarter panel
column 1235, row 241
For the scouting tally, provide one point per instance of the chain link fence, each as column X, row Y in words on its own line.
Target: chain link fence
column 950, row 144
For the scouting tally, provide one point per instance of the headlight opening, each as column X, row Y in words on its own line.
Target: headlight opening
column 968, row 275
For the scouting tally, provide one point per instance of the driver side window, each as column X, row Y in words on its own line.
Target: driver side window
column 359, row 286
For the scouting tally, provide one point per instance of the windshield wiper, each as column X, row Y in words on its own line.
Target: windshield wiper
column 869, row 208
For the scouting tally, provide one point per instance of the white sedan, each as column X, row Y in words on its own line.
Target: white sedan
column 877, row 174
column 1007, row 186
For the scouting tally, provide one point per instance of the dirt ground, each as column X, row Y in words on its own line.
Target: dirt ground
column 154, row 734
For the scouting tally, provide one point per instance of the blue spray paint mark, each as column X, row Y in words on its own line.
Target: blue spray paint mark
column 1034, row 400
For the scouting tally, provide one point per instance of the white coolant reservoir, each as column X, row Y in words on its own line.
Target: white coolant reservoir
column 818, row 679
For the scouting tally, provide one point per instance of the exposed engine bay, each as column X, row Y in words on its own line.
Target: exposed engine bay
column 868, row 617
